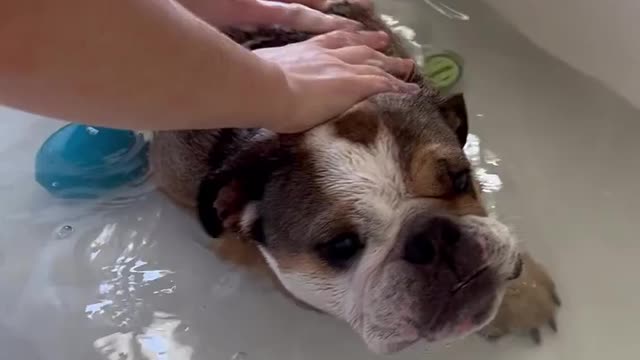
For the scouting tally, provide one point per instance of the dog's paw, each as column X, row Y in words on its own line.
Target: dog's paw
column 530, row 304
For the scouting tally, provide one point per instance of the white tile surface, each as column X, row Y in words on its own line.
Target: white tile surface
column 134, row 282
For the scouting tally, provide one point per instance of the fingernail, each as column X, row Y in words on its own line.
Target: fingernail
column 368, row 32
column 383, row 38
column 410, row 75
column 347, row 24
column 411, row 88
column 410, row 65
column 355, row 25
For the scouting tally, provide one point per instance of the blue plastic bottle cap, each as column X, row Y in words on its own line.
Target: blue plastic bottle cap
column 80, row 161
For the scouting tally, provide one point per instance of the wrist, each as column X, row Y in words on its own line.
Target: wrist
column 275, row 101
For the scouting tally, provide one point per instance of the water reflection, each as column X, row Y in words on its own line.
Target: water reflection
column 447, row 10
column 128, row 280
column 240, row 356
column 154, row 342
column 485, row 163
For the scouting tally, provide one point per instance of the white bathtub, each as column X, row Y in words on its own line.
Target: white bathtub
column 133, row 281
column 598, row 38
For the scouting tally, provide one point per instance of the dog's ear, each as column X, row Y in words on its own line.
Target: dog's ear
column 225, row 194
column 454, row 111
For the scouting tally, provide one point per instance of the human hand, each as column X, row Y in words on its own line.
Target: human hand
column 323, row 4
column 329, row 73
column 300, row 15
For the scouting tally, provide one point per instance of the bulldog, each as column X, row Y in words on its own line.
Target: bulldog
column 374, row 217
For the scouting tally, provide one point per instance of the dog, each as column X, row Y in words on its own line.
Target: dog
column 374, row 217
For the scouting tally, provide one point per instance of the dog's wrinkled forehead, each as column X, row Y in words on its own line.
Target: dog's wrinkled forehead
column 367, row 161
column 393, row 147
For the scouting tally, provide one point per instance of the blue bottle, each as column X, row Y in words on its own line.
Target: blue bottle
column 80, row 161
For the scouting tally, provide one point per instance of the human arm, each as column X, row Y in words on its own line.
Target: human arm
column 145, row 64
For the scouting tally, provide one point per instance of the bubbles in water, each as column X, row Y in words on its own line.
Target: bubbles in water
column 183, row 328
column 226, row 285
column 409, row 36
column 240, row 356
column 64, row 231
column 491, row 158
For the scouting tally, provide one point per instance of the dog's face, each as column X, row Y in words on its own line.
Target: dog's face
column 374, row 218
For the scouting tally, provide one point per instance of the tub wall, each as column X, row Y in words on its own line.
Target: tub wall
column 599, row 38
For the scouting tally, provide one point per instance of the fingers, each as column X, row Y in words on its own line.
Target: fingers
column 314, row 4
column 372, row 81
column 360, row 48
column 377, row 40
column 324, row 4
column 363, row 55
column 302, row 18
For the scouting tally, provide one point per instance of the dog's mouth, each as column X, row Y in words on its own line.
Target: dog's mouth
column 466, row 282
column 459, row 318
column 471, row 304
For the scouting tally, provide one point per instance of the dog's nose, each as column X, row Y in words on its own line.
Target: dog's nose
column 433, row 235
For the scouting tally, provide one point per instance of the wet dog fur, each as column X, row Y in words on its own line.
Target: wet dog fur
column 374, row 217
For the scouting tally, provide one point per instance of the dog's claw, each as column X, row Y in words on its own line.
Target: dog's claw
column 535, row 336
column 530, row 304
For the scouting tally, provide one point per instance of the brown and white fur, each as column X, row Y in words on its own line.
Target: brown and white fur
column 373, row 218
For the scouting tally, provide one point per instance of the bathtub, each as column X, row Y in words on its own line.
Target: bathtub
column 554, row 134
column 597, row 38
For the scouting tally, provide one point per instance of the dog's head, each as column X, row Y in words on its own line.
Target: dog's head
column 374, row 218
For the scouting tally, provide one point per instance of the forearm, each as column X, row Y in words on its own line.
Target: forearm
column 146, row 64
column 219, row 13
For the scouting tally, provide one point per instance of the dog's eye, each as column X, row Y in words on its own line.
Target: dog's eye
column 341, row 249
column 461, row 182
